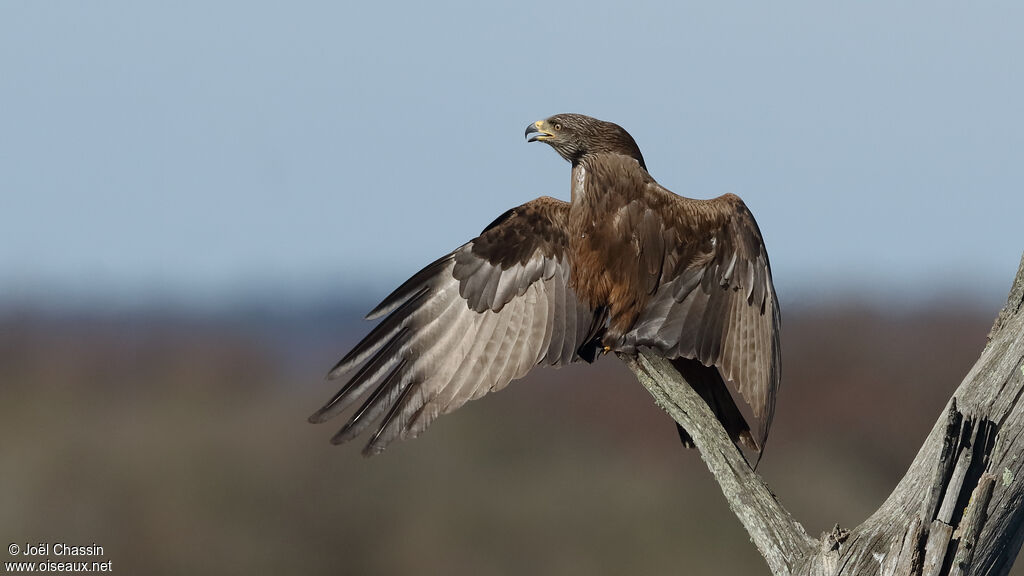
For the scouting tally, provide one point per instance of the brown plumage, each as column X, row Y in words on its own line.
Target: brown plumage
column 625, row 264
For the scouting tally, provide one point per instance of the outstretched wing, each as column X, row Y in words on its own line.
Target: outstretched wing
column 465, row 325
column 714, row 300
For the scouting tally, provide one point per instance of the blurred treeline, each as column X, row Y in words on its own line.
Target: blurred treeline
column 179, row 442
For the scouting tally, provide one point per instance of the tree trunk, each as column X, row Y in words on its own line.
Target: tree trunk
column 956, row 511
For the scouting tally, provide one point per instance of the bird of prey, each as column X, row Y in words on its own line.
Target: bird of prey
column 624, row 264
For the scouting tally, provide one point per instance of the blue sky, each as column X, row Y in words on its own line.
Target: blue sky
column 213, row 151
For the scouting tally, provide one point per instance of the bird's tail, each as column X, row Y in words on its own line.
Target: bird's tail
column 707, row 382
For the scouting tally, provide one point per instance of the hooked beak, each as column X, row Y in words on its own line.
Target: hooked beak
column 539, row 132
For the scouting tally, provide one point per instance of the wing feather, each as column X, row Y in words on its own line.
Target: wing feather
column 408, row 289
column 718, row 306
column 467, row 324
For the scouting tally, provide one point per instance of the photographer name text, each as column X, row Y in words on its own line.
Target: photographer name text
column 59, row 549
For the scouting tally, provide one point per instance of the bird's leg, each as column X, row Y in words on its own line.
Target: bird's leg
column 611, row 340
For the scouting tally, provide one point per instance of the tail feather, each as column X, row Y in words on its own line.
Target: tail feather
column 708, row 382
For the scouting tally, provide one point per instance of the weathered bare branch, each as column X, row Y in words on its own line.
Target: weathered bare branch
column 777, row 536
column 958, row 509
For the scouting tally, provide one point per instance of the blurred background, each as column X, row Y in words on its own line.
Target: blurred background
column 199, row 202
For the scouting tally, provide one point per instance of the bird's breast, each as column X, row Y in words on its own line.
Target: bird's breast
column 604, row 245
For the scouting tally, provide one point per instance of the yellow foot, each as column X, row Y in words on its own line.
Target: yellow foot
column 606, row 349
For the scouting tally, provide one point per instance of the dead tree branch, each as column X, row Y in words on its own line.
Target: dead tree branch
column 958, row 510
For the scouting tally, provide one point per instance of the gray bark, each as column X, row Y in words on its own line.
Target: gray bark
column 956, row 511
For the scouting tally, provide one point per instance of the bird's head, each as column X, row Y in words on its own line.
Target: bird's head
column 574, row 136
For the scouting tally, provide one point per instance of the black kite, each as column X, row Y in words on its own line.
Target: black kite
column 626, row 263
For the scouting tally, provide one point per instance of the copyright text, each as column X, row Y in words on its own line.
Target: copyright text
column 56, row 557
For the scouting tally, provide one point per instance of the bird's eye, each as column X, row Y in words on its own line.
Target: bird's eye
column 558, row 127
